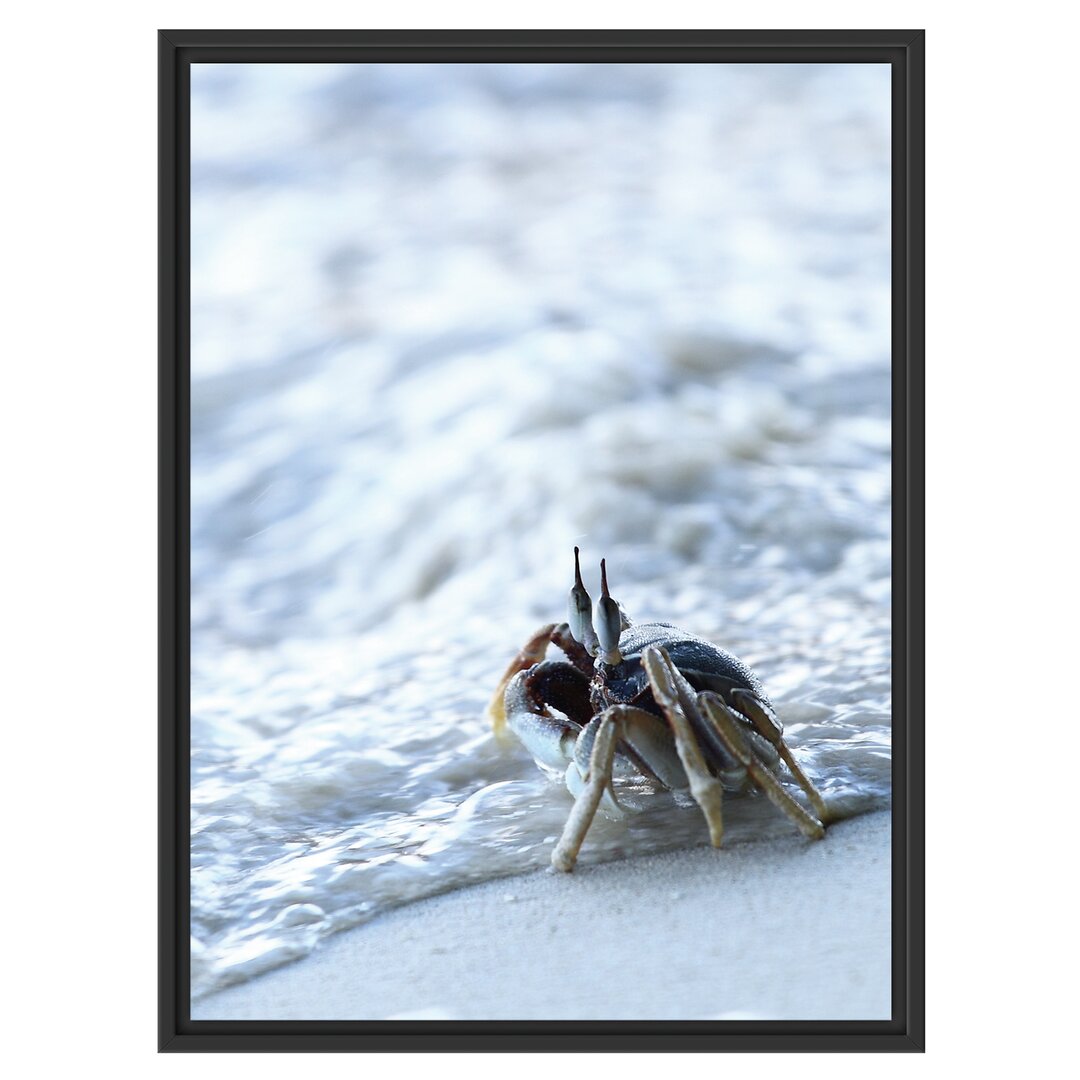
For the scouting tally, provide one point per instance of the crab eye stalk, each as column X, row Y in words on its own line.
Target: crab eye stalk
column 608, row 621
column 579, row 615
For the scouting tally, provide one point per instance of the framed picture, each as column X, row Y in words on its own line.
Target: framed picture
column 541, row 540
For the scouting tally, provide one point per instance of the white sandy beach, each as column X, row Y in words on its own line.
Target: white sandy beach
column 784, row 929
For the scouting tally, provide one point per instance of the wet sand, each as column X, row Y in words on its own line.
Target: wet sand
column 783, row 929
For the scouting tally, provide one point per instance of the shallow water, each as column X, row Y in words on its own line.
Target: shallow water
column 448, row 323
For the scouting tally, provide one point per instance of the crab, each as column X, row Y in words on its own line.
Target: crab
column 664, row 703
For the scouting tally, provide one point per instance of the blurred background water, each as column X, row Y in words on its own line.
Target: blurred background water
column 450, row 321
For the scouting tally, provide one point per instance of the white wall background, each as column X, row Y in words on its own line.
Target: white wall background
column 77, row 425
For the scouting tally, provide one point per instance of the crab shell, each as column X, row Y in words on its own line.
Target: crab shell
column 705, row 665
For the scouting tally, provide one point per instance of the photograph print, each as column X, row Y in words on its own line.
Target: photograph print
column 541, row 541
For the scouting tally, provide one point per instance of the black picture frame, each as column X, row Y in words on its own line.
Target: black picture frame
column 903, row 50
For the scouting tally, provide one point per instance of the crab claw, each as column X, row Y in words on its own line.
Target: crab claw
column 580, row 611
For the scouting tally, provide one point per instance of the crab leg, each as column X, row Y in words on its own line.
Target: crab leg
column 532, row 652
column 596, row 783
column 644, row 739
column 762, row 718
column 728, row 728
column 706, row 789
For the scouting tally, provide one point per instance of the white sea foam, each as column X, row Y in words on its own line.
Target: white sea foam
column 448, row 322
